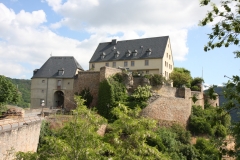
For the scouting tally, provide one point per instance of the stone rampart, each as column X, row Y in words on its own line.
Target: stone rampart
column 19, row 135
column 88, row 80
column 171, row 109
column 199, row 96
column 106, row 72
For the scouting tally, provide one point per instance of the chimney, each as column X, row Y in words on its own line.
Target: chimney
column 114, row 41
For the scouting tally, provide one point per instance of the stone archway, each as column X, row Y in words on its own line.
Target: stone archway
column 58, row 99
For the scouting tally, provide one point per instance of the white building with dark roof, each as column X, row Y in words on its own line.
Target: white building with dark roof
column 144, row 56
column 52, row 80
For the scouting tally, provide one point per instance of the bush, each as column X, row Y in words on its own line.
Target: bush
column 142, row 93
column 111, row 91
column 195, row 88
column 155, row 79
column 207, row 150
column 86, row 95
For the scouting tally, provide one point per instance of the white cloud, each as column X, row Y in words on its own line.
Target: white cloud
column 26, row 42
column 153, row 18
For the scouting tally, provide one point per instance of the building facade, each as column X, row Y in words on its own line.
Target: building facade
column 52, row 80
column 141, row 56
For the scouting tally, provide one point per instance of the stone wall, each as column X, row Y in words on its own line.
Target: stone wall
column 106, row 72
column 21, row 137
column 88, row 80
column 166, row 91
column 171, row 109
column 199, row 96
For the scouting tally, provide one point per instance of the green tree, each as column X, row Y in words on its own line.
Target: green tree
column 8, row 93
column 180, row 77
column 225, row 32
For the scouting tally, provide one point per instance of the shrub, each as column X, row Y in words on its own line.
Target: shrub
column 195, row 88
column 142, row 93
column 86, row 95
column 155, row 79
column 110, row 92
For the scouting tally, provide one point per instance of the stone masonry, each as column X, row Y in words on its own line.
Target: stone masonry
column 23, row 137
column 176, row 109
column 88, row 80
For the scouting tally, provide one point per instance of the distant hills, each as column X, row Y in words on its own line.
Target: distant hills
column 24, row 87
column 234, row 114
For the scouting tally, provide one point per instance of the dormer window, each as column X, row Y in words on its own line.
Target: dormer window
column 128, row 53
column 60, row 72
column 114, row 48
column 135, row 53
column 149, row 51
column 117, row 54
column 103, row 54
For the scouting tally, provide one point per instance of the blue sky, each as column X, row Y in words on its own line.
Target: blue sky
column 32, row 30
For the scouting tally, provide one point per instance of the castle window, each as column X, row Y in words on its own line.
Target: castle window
column 147, row 72
column 59, row 83
column 132, row 63
column 68, row 83
column 125, row 64
column 128, row 53
column 60, row 72
column 114, row 64
column 169, row 56
column 146, row 62
column 117, row 54
column 149, row 51
column 93, row 65
column 103, row 54
column 135, row 53
column 42, row 91
column 43, row 81
column 107, row 64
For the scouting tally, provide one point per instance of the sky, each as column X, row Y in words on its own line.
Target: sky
column 32, row 31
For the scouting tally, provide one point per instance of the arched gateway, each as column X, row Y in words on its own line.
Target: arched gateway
column 58, row 99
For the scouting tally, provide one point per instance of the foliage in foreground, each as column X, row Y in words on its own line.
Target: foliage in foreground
column 225, row 32
column 209, row 122
column 130, row 136
column 8, row 93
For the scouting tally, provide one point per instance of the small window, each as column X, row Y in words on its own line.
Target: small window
column 107, row 64
column 59, row 83
column 68, row 83
column 165, row 63
column 114, row 64
column 103, row 54
column 169, row 56
column 117, row 54
column 43, row 81
column 42, row 102
column 165, row 74
column 42, row 91
column 135, row 53
column 132, row 63
column 93, row 65
column 147, row 72
column 125, row 64
column 146, row 63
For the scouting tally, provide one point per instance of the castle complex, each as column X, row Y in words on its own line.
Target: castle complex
column 60, row 78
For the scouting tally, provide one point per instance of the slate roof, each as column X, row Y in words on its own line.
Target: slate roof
column 156, row 45
column 53, row 64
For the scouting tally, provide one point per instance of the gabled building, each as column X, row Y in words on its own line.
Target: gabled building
column 53, row 80
column 142, row 56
